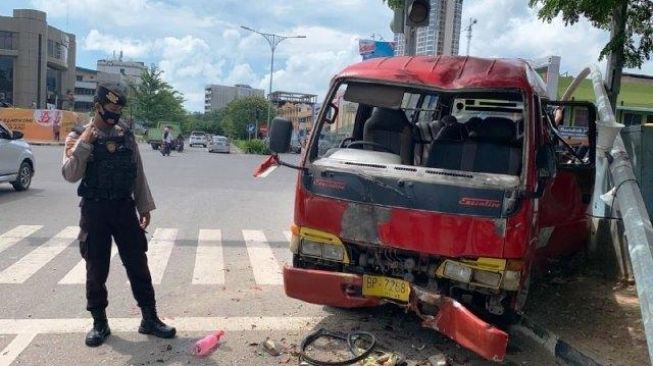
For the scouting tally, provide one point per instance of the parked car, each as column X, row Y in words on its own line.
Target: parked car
column 198, row 138
column 16, row 159
column 219, row 144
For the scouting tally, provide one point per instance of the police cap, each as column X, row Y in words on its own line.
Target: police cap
column 111, row 93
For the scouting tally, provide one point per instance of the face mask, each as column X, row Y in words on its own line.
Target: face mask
column 110, row 116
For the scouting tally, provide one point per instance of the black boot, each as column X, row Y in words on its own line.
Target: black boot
column 151, row 324
column 100, row 331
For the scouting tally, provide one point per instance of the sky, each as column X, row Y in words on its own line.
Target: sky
column 201, row 42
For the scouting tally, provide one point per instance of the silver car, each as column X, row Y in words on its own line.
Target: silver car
column 16, row 159
column 219, row 144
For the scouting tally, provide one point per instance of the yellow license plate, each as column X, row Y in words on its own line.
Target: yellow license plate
column 391, row 288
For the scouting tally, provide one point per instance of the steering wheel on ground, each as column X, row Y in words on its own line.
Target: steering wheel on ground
column 370, row 143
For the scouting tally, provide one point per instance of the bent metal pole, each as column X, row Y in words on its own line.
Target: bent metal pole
column 629, row 202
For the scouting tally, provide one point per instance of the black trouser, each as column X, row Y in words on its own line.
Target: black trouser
column 100, row 221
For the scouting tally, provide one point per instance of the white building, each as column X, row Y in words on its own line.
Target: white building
column 218, row 96
column 442, row 35
column 123, row 71
column 85, row 84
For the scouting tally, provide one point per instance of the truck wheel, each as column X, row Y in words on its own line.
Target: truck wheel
column 24, row 177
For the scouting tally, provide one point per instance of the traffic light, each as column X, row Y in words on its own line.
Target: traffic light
column 417, row 13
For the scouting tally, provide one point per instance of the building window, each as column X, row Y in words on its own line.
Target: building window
column 8, row 40
column 79, row 78
column 649, row 118
column 57, row 50
column 7, row 79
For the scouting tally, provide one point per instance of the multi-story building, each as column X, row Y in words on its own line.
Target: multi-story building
column 218, row 96
column 127, row 72
column 442, row 35
column 86, row 81
column 37, row 61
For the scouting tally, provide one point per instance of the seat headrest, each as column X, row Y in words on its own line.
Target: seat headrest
column 496, row 130
column 452, row 132
column 387, row 120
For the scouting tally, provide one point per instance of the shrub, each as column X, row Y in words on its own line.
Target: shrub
column 253, row 147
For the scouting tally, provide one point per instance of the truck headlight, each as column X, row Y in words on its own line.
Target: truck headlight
column 487, row 278
column 312, row 249
column 333, row 252
column 457, row 272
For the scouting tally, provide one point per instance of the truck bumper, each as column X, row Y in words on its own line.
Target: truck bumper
column 452, row 319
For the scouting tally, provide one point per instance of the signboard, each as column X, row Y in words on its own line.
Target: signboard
column 39, row 124
column 369, row 48
column 251, row 128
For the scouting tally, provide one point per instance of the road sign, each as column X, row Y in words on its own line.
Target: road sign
column 251, row 128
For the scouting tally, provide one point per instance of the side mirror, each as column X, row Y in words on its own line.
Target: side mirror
column 280, row 134
column 16, row 135
column 331, row 113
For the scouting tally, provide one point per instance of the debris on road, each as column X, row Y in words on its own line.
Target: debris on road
column 208, row 344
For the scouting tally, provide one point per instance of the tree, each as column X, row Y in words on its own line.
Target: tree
column 241, row 112
column 394, row 4
column 630, row 23
column 211, row 122
column 155, row 100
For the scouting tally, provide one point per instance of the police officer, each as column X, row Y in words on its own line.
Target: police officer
column 113, row 188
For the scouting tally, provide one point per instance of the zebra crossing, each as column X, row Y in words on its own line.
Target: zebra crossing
column 209, row 263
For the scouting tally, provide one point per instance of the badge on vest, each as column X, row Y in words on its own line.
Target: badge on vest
column 111, row 146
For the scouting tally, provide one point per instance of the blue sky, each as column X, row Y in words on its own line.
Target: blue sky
column 198, row 42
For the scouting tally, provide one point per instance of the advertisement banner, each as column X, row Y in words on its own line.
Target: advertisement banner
column 40, row 124
column 369, row 48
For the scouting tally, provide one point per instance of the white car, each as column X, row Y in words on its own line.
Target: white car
column 197, row 138
column 219, row 144
column 16, row 159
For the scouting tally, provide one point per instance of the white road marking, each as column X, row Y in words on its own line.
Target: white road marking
column 17, row 234
column 15, row 348
column 209, row 260
column 27, row 266
column 288, row 235
column 159, row 251
column 267, row 270
column 185, row 324
column 77, row 275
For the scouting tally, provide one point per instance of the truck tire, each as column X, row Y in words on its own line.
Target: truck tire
column 25, row 173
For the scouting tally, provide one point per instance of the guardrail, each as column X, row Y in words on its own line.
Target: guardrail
column 621, row 194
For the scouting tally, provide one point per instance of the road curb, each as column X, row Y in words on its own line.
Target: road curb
column 564, row 353
column 46, row 143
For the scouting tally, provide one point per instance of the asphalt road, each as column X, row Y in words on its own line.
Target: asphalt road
column 218, row 239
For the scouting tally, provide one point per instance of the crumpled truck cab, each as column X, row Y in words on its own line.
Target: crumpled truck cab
column 439, row 184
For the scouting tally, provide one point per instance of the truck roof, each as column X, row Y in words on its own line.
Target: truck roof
column 450, row 72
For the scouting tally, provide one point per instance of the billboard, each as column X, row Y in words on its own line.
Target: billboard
column 369, row 48
column 39, row 124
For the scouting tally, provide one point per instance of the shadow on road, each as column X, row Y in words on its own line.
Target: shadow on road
column 9, row 194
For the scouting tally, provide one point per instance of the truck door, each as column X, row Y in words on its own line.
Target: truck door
column 570, row 129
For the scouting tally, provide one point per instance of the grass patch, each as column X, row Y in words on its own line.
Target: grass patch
column 632, row 93
column 253, row 147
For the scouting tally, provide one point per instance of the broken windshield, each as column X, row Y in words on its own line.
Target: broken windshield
column 479, row 132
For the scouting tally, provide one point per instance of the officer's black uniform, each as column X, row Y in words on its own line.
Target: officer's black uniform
column 108, row 210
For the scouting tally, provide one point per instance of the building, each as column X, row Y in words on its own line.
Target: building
column 37, row 61
column 118, row 70
column 86, row 81
column 218, row 96
column 442, row 35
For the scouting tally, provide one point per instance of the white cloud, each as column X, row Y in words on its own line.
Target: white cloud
column 96, row 41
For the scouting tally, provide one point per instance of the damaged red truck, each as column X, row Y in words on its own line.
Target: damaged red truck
column 440, row 184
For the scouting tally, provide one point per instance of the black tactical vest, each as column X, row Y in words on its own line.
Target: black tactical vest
column 111, row 173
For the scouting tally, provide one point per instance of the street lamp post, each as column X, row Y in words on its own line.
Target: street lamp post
column 273, row 40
